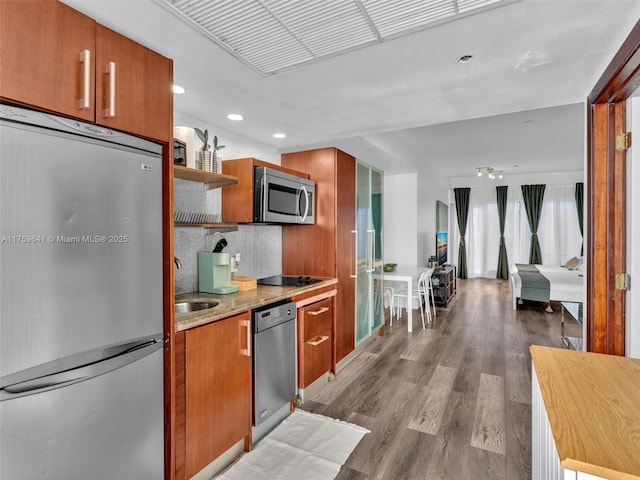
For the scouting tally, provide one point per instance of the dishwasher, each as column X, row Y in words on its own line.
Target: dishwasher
column 274, row 365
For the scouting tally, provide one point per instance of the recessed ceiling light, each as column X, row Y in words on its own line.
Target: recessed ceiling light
column 279, row 135
column 465, row 58
column 178, row 90
column 235, row 117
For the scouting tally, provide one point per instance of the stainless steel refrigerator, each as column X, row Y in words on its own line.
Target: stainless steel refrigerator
column 81, row 314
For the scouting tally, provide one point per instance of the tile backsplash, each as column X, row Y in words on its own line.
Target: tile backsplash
column 259, row 246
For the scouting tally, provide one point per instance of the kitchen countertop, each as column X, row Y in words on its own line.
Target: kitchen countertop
column 592, row 403
column 235, row 303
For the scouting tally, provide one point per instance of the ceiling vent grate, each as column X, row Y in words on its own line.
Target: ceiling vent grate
column 271, row 36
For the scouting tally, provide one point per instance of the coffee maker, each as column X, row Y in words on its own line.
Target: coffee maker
column 214, row 269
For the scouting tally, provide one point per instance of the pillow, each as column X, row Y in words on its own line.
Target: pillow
column 573, row 263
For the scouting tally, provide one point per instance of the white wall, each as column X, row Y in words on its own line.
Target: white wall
column 632, row 333
column 429, row 191
column 236, row 145
column 426, row 223
column 400, row 219
column 410, row 218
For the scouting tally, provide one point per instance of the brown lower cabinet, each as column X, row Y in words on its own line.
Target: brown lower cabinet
column 314, row 341
column 213, row 392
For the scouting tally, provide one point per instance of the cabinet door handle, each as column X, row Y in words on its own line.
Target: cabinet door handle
column 110, row 110
column 318, row 340
column 371, row 234
column 354, row 254
column 319, row 311
column 85, row 60
column 246, row 351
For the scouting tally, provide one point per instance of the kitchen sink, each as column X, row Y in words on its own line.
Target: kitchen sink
column 185, row 307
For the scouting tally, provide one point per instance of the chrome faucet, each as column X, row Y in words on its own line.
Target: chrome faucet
column 176, row 260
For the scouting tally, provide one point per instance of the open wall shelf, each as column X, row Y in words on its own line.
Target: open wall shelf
column 210, row 227
column 210, row 179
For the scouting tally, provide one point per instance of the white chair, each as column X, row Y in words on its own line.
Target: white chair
column 430, row 299
column 387, row 298
column 421, row 294
column 433, row 298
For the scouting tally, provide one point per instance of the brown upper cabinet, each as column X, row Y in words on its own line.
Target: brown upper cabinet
column 237, row 200
column 41, row 45
column 54, row 58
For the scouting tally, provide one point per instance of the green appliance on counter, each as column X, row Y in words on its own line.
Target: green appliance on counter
column 214, row 269
column 214, row 273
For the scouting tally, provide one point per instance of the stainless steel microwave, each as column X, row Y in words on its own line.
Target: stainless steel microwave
column 282, row 198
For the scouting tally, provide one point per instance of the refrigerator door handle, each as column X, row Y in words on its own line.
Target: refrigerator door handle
column 76, row 368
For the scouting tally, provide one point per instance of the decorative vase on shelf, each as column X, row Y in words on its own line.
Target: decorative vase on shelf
column 206, row 160
column 216, row 157
column 204, row 156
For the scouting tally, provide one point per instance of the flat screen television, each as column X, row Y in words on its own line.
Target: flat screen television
column 441, row 247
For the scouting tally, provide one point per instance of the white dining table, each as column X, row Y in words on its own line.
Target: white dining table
column 409, row 274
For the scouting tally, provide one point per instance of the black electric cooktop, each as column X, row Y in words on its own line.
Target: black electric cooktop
column 288, row 281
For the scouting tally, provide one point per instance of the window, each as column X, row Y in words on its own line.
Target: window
column 558, row 232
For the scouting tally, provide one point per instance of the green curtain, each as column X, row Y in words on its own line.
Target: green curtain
column 462, row 211
column 533, row 196
column 579, row 208
column 376, row 210
column 503, row 261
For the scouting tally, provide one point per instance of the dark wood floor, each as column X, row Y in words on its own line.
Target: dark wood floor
column 449, row 402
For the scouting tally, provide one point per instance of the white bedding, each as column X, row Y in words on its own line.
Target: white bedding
column 565, row 285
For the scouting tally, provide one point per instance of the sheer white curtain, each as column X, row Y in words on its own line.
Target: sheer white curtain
column 558, row 232
column 483, row 233
column 517, row 235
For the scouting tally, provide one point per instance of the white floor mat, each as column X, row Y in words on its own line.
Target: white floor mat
column 304, row 446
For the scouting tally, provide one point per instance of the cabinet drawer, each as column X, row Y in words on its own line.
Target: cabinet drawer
column 315, row 358
column 315, row 318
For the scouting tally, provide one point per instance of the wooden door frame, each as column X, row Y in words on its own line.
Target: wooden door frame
column 606, row 198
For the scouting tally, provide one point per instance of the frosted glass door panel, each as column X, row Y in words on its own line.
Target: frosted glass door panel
column 369, row 310
column 363, row 251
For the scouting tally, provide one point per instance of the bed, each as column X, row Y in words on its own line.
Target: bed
column 546, row 283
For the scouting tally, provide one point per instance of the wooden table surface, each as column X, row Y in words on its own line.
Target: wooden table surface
column 593, row 405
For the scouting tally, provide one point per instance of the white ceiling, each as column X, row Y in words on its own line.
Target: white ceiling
column 271, row 36
column 406, row 104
